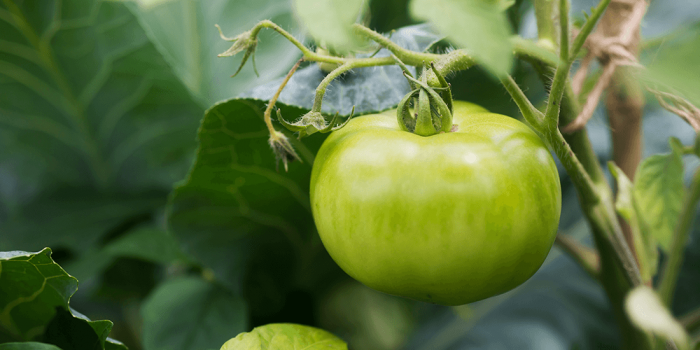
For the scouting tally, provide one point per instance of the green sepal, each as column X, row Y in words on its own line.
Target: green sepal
column 245, row 41
column 403, row 112
column 313, row 122
column 445, row 113
column 447, row 93
column 283, row 150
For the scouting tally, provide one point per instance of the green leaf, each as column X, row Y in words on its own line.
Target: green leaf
column 87, row 105
column 480, row 26
column 671, row 67
column 68, row 332
column 330, row 21
column 285, row 337
column 658, row 191
column 367, row 89
column 74, row 219
column 28, row 346
column 647, row 311
column 145, row 243
column 32, row 286
column 184, row 33
column 626, row 206
column 34, row 296
column 233, row 202
column 191, row 313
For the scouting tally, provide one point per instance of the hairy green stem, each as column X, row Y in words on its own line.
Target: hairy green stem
column 672, row 267
column 588, row 27
column 350, row 64
column 532, row 116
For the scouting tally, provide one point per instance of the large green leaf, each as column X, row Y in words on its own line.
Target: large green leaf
column 191, row 313
column 86, row 103
column 145, row 243
column 658, row 191
column 233, row 203
column 74, row 219
column 34, row 296
column 367, row 89
column 480, row 26
column 184, row 33
column 285, row 337
column 330, row 21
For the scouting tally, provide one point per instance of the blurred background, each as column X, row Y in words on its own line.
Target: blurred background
column 100, row 106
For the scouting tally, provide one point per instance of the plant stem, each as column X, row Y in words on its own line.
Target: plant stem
column 584, row 256
column 546, row 31
column 532, row 116
column 672, row 267
column 268, row 111
column 351, row 64
column 588, row 28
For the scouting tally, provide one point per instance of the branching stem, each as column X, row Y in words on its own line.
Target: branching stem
column 273, row 100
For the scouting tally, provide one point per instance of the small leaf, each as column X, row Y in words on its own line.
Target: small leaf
column 191, row 313
column 330, row 21
column 479, row 26
column 285, row 337
column 626, row 206
column 645, row 309
column 34, row 294
column 658, row 191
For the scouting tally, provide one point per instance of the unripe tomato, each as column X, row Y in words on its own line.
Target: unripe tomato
column 450, row 218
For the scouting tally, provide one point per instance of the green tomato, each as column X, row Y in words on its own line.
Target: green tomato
column 449, row 219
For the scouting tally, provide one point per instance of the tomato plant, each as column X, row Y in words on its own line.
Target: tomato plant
column 450, row 218
column 140, row 182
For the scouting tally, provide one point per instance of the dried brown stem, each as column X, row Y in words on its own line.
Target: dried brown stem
column 580, row 76
column 679, row 106
column 592, row 100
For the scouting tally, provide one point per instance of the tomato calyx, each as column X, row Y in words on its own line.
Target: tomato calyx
column 246, row 41
column 432, row 106
column 283, row 150
column 313, row 122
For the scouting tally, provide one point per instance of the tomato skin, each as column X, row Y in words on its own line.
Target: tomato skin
column 449, row 219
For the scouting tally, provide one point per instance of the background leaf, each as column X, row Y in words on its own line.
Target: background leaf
column 285, row 337
column 329, row 21
column 669, row 67
column 367, row 89
column 184, row 33
column 480, row 26
column 90, row 109
column 191, row 313
column 28, row 346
